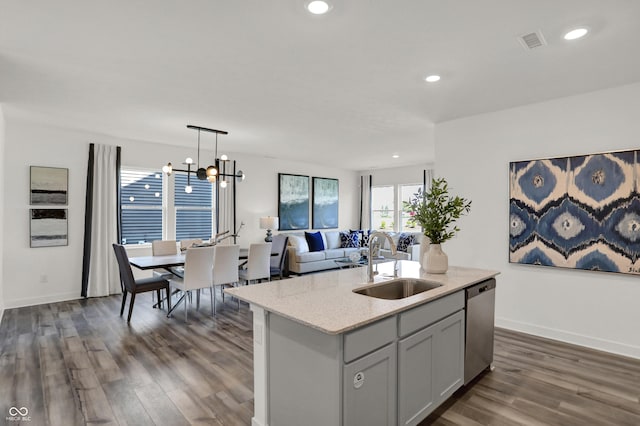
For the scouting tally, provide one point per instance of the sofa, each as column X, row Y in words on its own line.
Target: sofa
column 307, row 254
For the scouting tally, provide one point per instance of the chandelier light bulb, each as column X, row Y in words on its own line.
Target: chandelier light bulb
column 223, row 184
column 224, row 157
column 132, row 198
column 188, row 189
column 211, row 179
column 167, row 169
column 188, row 160
column 212, row 171
column 146, row 186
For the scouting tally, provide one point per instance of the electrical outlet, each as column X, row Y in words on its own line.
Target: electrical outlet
column 44, row 278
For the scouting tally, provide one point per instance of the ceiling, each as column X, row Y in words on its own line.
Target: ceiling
column 345, row 89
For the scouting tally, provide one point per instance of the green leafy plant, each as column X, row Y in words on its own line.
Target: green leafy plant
column 437, row 211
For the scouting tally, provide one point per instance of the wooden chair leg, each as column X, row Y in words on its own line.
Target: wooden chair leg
column 133, row 299
column 124, row 300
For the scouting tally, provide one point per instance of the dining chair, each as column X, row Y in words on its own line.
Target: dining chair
column 277, row 263
column 185, row 244
column 258, row 263
column 225, row 268
column 131, row 285
column 163, row 248
column 198, row 274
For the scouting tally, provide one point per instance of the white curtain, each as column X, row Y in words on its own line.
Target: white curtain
column 365, row 201
column 103, row 276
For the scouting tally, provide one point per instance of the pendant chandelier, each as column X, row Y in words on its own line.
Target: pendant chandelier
column 216, row 172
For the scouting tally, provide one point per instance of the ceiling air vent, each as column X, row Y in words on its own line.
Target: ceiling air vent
column 532, row 40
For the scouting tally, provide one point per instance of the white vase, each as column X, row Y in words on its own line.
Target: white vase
column 435, row 261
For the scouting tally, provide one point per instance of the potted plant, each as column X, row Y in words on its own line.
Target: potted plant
column 437, row 211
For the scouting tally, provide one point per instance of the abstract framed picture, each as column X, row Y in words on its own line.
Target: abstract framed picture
column 293, row 201
column 49, row 185
column 580, row 212
column 324, row 213
column 48, row 227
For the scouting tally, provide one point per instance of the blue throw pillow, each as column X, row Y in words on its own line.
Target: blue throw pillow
column 350, row 239
column 405, row 241
column 314, row 239
column 363, row 237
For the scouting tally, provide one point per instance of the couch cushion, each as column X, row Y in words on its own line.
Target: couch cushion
column 299, row 243
column 310, row 256
column 350, row 250
column 334, row 253
column 314, row 240
column 332, row 239
column 349, row 239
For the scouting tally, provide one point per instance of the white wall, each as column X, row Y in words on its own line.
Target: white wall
column 398, row 175
column 2, row 133
column 587, row 308
column 41, row 275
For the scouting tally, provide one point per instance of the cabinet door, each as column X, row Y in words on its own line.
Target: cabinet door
column 416, row 359
column 449, row 360
column 369, row 389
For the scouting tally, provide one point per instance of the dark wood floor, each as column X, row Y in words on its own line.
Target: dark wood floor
column 78, row 362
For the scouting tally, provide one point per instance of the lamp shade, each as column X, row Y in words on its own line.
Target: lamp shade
column 269, row 222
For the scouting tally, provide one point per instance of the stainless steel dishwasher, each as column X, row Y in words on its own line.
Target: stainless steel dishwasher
column 480, row 310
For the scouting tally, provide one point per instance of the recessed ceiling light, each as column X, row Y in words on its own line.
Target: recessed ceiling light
column 318, row 7
column 395, row 156
column 432, row 78
column 576, row 34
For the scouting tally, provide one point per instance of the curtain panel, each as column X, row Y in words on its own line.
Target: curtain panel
column 100, row 273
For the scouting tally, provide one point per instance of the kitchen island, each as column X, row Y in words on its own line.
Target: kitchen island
column 328, row 356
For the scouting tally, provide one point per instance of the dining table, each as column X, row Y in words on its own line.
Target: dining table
column 170, row 263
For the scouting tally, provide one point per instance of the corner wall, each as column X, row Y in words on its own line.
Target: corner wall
column 598, row 310
column 33, row 276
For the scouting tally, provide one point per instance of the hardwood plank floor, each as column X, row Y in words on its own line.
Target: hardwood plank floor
column 79, row 362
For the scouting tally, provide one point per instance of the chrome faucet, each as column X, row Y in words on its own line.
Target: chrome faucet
column 372, row 238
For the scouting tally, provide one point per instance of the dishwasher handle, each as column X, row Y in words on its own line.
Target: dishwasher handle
column 480, row 288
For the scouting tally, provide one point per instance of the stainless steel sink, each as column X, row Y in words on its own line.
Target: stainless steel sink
column 398, row 288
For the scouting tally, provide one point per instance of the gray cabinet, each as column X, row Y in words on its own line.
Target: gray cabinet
column 431, row 362
column 369, row 389
column 394, row 371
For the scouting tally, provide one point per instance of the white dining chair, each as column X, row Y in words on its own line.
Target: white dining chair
column 163, row 248
column 258, row 266
column 225, row 269
column 198, row 274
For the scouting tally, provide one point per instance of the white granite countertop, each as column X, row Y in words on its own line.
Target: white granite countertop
column 325, row 301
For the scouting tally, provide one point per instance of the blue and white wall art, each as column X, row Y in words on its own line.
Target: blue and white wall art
column 579, row 212
column 325, row 203
column 293, row 201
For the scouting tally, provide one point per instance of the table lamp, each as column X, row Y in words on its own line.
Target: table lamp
column 268, row 223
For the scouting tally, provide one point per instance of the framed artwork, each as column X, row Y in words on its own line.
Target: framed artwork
column 48, row 227
column 579, row 212
column 293, row 201
column 49, row 185
column 325, row 203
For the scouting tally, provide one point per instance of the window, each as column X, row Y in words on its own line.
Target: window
column 193, row 212
column 387, row 207
column 383, row 208
column 144, row 216
column 141, row 202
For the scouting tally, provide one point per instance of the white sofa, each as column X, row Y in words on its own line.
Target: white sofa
column 302, row 261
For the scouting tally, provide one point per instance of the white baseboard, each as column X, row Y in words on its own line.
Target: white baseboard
column 569, row 337
column 32, row 301
column 1, row 313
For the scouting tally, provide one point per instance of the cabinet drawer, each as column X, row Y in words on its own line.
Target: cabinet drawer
column 427, row 314
column 369, row 338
